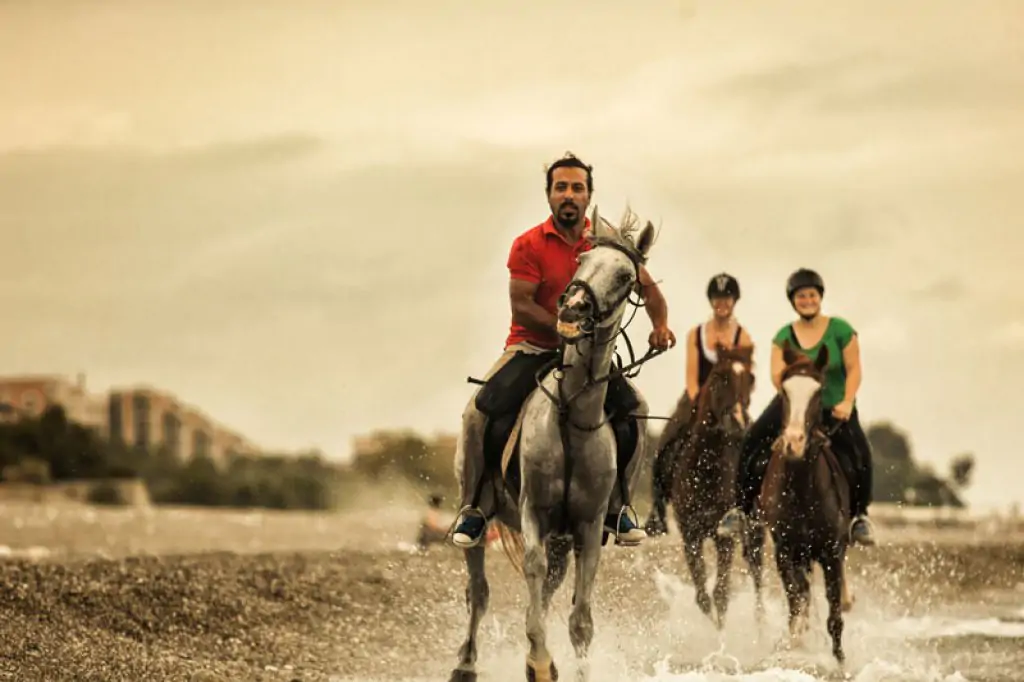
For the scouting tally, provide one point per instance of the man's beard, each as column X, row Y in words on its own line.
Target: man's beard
column 567, row 215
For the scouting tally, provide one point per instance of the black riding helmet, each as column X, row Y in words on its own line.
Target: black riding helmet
column 804, row 278
column 724, row 284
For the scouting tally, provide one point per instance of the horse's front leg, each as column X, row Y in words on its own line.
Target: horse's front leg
column 753, row 551
column 693, row 548
column 802, row 591
column 848, row 597
column 792, row 579
column 477, row 597
column 832, row 567
column 539, row 666
column 724, row 548
column 558, row 566
column 581, row 622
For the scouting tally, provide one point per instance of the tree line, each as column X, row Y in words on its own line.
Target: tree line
column 52, row 448
column 898, row 477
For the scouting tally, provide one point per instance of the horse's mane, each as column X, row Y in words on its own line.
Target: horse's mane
column 622, row 236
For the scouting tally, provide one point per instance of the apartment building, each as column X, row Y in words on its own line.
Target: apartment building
column 141, row 415
column 146, row 417
column 31, row 395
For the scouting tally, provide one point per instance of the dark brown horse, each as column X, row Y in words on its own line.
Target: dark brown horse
column 805, row 499
column 704, row 474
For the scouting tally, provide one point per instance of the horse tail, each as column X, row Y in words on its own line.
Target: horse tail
column 513, row 546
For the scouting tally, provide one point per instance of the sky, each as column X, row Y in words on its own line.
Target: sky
column 297, row 215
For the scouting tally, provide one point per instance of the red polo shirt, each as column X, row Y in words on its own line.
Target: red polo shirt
column 543, row 256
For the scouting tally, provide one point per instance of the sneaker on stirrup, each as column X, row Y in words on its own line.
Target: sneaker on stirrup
column 622, row 527
column 862, row 531
column 732, row 523
column 470, row 531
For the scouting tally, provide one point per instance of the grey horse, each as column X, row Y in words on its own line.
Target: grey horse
column 567, row 466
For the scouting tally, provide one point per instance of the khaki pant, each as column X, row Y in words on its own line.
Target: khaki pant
column 469, row 455
column 510, row 351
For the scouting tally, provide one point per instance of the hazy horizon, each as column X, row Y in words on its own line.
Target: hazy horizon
column 297, row 217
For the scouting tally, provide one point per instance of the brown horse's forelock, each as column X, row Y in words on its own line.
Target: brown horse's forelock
column 803, row 366
column 726, row 357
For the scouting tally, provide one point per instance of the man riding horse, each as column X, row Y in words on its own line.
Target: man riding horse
column 723, row 292
column 542, row 263
column 805, row 289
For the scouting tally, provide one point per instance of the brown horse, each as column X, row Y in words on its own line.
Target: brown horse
column 704, row 474
column 805, row 499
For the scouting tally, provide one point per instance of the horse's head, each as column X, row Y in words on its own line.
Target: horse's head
column 726, row 393
column 802, row 382
column 607, row 273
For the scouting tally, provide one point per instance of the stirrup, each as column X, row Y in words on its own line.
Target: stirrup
column 867, row 524
column 634, row 517
column 467, row 510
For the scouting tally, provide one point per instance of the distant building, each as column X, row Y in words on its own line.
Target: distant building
column 31, row 395
column 146, row 417
column 140, row 416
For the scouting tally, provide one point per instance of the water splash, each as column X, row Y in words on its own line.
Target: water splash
column 680, row 644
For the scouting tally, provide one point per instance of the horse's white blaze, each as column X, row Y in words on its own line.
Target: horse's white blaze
column 737, row 413
column 799, row 389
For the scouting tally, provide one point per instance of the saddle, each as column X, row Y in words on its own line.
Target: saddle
column 841, row 478
column 503, row 401
column 502, row 439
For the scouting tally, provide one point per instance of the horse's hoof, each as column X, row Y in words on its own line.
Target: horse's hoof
column 538, row 672
column 462, row 676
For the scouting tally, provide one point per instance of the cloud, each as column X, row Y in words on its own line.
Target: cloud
column 947, row 288
column 884, row 335
column 1010, row 336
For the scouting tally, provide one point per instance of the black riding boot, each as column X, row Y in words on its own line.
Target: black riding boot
column 753, row 464
column 661, row 488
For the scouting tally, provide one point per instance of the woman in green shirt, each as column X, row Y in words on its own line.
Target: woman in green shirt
column 805, row 290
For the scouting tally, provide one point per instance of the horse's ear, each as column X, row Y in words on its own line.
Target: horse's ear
column 597, row 226
column 789, row 354
column 822, row 360
column 645, row 240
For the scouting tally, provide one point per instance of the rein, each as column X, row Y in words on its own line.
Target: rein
column 563, row 403
column 632, row 369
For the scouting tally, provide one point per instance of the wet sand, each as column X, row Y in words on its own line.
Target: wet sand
column 280, row 605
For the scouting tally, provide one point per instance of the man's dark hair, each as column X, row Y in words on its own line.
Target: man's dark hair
column 570, row 160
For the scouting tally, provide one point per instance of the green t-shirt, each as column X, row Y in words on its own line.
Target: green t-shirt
column 837, row 337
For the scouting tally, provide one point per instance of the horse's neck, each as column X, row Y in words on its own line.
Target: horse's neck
column 806, row 482
column 589, row 360
column 711, row 451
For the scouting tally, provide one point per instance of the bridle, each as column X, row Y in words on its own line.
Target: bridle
column 589, row 323
column 708, row 394
column 816, row 428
